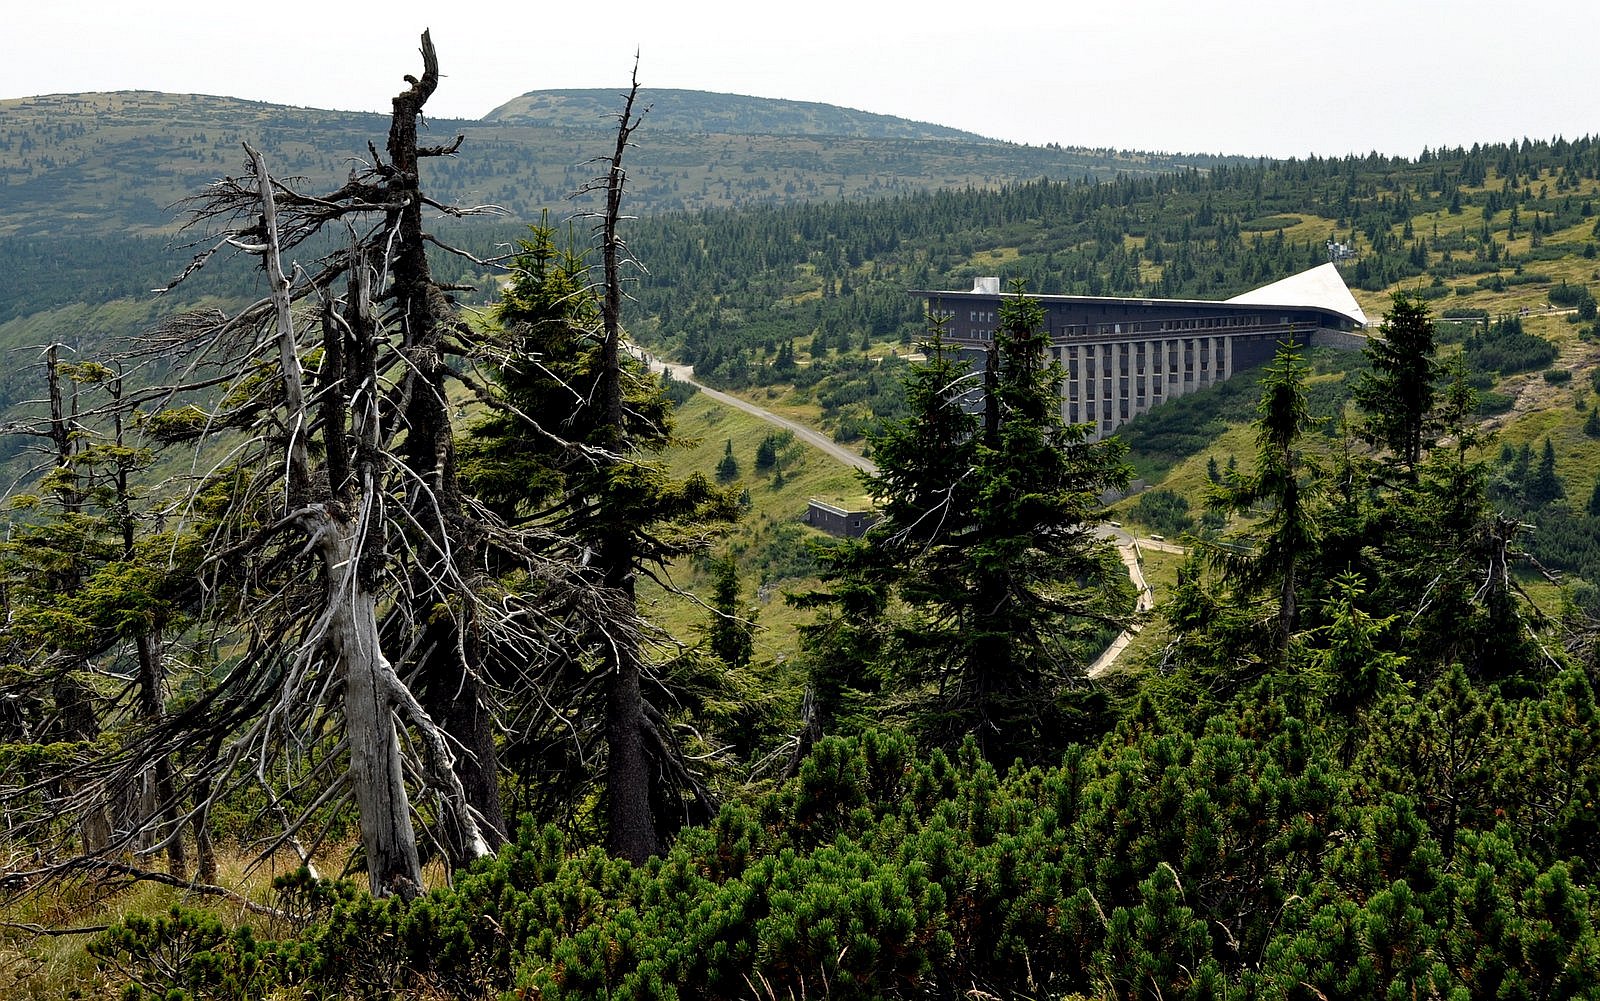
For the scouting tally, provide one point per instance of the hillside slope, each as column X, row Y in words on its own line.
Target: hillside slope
column 698, row 111
column 89, row 164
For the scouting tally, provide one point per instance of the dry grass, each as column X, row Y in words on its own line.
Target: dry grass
column 56, row 965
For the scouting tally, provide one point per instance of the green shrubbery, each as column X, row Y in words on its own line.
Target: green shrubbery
column 1164, row 511
column 1506, row 348
column 1202, row 856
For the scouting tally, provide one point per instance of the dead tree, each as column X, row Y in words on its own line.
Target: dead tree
column 568, row 445
column 642, row 760
column 323, row 489
column 447, row 661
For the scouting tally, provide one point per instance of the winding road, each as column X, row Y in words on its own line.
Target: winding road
column 1127, row 546
column 1128, row 549
column 811, row 436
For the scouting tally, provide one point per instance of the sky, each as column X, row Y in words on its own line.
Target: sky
column 1284, row 78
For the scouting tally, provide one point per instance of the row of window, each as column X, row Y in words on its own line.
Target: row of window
column 1163, row 326
column 1075, row 415
column 1123, row 406
column 1123, row 369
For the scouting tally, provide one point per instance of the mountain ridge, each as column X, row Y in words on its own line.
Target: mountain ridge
column 77, row 164
column 681, row 110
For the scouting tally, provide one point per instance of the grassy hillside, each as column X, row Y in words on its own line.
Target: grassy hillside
column 775, row 551
column 809, row 300
column 804, row 305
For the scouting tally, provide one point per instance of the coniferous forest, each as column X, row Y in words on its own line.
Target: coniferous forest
column 329, row 669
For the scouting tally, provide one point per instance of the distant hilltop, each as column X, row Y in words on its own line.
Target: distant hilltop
column 707, row 112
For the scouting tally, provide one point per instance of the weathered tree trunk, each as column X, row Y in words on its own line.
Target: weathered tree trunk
column 447, row 671
column 152, row 704
column 457, row 701
column 152, row 679
column 631, row 831
column 205, row 851
column 377, row 773
column 348, row 631
column 631, row 825
column 74, row 699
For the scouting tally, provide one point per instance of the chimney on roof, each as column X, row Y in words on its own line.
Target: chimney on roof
column 987, row 286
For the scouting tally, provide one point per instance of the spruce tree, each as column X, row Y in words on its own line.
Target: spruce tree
column 1397, row 395
column 1544, row 486
column 727, row 466
column 733, row 625
column 1271, row 554
column 571, row 443
column 988, row 529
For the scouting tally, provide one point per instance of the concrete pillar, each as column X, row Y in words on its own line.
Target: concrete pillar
column 1151, row 371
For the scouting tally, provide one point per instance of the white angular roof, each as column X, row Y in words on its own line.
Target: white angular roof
column 1322, row 286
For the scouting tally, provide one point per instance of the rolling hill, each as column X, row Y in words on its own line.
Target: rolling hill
column 701, row 112
column 88, row 164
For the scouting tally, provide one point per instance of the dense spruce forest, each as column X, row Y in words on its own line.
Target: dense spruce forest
column 331, row 670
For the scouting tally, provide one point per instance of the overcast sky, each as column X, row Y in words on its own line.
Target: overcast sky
column 1285, row 78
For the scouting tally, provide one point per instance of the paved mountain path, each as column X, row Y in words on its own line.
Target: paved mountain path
column 1127, row 545
column 811, row 436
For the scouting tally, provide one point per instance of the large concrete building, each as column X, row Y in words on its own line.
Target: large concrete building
column 1123, row 356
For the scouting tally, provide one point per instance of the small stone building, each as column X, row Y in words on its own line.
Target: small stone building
column 837, row 519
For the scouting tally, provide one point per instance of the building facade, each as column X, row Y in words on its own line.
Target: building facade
column 837, row 519
column 1122, row 356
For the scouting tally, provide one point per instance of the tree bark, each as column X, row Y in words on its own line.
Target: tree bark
column 447, row 669
column 377, row 773
column 349, row 634
column 631, row 825
column 152, row 705
column 152, row 676
column 205, row 851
